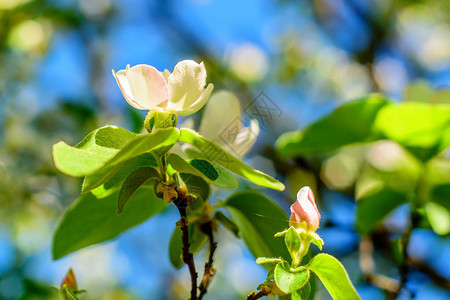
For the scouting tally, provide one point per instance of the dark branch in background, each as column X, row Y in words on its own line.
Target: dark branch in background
column 381, row 240
column 188, row 257
column 207, row 229
column 367, row 265
column 404, row 266
column 426, row 269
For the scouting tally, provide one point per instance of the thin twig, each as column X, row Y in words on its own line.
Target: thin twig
column 188, row 257
column 426, row 269
column 404, row 266
column 367, row 264
column 253, row 296
column 209, row 270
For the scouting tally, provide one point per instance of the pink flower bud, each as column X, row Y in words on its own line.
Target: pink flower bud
column 304, row 212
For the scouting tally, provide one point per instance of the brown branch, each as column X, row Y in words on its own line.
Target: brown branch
column 188, row 257
column 253, row 296
column 385, row 283
column 367, row 265
column 435, row 276
column 209, row 270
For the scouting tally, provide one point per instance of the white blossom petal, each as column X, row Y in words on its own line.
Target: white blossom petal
column 148, row 87
column 166, row 73
column 186, row 85
column 197, row 105
column 124, row 86
column 222, row 111
column 246, row 138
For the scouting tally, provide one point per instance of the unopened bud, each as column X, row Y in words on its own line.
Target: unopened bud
column 70, row 281
column 304, row 212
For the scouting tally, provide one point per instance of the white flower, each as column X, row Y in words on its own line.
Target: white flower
column 222, row 123
column 182, row 92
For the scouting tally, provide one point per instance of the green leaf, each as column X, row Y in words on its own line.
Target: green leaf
column 438, row 217
column 68, row 294
column 258, row 218
column 348, row 124
column 292, row 241
column 333, row 276
column 92, row 220
column 374, row 206
column 316, row 240
column 441, row 194
column 109, row 146
column 200, row 167
column 205, row 167
column 420, row 127
column 133, row 182
column 111, row 178
column 289, row 280
column 226, row 179
column 196, row 185
column 227, row 223
column 267, row 260
column 303, row 293
column 214, row 153
column 196, row 238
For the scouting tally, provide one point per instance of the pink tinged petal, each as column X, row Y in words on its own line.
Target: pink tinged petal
column 186, row 84
column 304, row 210
column 148, row 86
column 124, row 86
column 197, row 105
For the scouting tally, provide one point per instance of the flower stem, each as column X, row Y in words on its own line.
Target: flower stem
column 305, row 243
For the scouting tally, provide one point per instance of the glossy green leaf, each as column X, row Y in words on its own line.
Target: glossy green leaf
column 215, row 153
column 205, row 167
column 303, row 293
column 227, row 223
column 111, row 178
column 438, row 217
column 348, row 124
column 196, row 238
column 226, row 179
column 333, row 276
column 200, row 168
column 289, row 280
column 258, row 219
column 133, row 182
column 92, row 220
column 109, row 146
column 374, row 206
column 292, row 241
column 420, row 127
column 441, row 194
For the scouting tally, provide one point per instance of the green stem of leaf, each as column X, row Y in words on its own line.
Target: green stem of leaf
column 304, row 248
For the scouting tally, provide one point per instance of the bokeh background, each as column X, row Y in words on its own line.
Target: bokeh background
column 306, row 57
